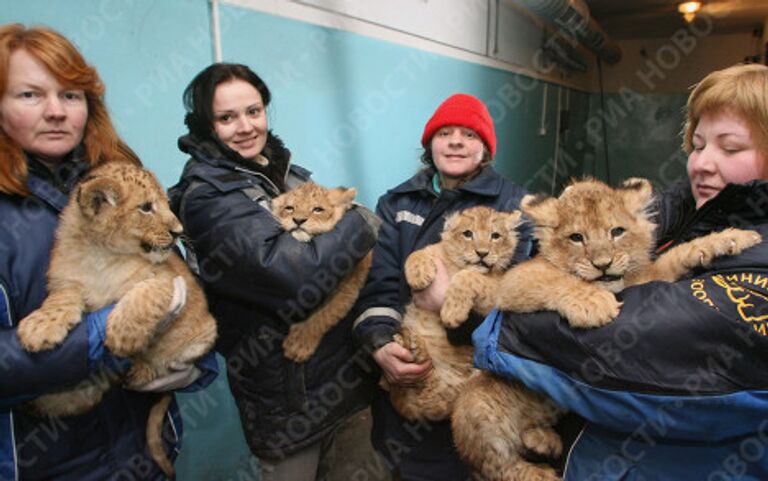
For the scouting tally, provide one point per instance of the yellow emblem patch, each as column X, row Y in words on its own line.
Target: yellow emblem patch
column 745, row 294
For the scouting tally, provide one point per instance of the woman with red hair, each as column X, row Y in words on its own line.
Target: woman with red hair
column 54, row 127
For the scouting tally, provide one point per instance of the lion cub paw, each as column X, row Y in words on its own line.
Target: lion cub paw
column 455, row 310
column 414, row 343
column 542, row 441
column 728, row 242
column 300, row 344
column 594, row 310
column 533, row 472
column 43, row 330
column 420, row 271
column 139, row 374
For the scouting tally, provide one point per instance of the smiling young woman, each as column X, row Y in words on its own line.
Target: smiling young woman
column 256, row 274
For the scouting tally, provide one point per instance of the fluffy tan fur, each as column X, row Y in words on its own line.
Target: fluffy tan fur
column 480, row 240
column 305, row 212
column 115, row 245
column 594, row 241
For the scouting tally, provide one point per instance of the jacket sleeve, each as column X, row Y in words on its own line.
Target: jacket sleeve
column 209, row 368
column 244, row 254
column 686, row 360
column 25, row 375
column 378, row 311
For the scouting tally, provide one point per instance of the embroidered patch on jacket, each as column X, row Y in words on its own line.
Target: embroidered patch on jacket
column 743, row 295
column 410, row 217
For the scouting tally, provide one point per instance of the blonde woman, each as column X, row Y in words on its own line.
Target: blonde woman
column 676, row 388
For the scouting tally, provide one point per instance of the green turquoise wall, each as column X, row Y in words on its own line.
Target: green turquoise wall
column 643, row 137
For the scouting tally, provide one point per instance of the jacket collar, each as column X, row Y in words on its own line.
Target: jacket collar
column 736, row 205
column 487, row 183
column 53, row 186
column 214, row 152
column 226, row 174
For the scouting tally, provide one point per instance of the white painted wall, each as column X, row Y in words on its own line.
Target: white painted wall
column 461, row 29
column 458, row 23
column 674, row 64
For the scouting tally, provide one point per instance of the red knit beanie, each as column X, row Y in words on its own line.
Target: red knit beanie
column 466, row 111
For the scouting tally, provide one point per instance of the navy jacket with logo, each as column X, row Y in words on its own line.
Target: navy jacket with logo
column 676, row 387
column 413, row 215
column 108, row 442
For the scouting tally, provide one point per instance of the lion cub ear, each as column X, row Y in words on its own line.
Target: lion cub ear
column 512, row 220
column 637, row 194
column 97, row 193
column 342, row 195
column 541, row 210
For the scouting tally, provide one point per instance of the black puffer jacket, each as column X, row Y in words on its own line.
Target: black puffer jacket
column 259, row 280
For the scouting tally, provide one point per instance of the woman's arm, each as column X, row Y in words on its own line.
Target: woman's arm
column 24, row 376
column 378, row 310
column 243, row 253
column 681, row 357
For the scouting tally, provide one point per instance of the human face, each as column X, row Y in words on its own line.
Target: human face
column 724, row 152
column 239, row 117
column 456, row 152
column 38, row 113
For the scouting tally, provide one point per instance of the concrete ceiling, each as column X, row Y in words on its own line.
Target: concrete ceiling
column 660, row 18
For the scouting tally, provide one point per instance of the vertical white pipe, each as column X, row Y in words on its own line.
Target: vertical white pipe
column 215, row 30
column 557, row 140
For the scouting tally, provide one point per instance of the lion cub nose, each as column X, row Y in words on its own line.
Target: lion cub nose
column 603, row 265
column 481, row 254
column 298, row 222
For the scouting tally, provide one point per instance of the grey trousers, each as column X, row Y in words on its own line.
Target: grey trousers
column 312, row 463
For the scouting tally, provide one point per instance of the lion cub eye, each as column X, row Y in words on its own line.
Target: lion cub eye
column 146, row 207
column 495, row 236
column 576, row 237
column 288, row 209
column 467, row 234
column 617, row 231
column 318, row 210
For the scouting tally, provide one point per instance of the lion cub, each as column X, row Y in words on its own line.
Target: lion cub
column 115, row 244
column 594, row 241
column 306, row 211
column 480, row 240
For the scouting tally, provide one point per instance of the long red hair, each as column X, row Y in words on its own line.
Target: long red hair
column 65, row 63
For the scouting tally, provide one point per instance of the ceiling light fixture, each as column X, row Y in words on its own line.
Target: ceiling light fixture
column 689, row 10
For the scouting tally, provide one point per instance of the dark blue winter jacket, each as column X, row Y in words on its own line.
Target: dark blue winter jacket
column 109, row 441
column 413, row 214
column 259, row 280
column 676, row 387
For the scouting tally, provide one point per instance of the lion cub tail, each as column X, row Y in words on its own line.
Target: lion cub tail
column 155, row 435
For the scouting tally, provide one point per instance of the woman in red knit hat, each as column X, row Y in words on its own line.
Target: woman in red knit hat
column 459, row 145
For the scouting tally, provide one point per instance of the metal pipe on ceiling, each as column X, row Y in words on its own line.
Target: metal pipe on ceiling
column 572, row 18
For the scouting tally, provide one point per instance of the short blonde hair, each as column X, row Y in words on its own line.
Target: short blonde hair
column 65, row 63
column 741, row 90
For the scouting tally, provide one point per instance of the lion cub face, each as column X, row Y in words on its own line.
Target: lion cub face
column 310, row 209
column 124, row 209
column 481, row 239
column 595, row 232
